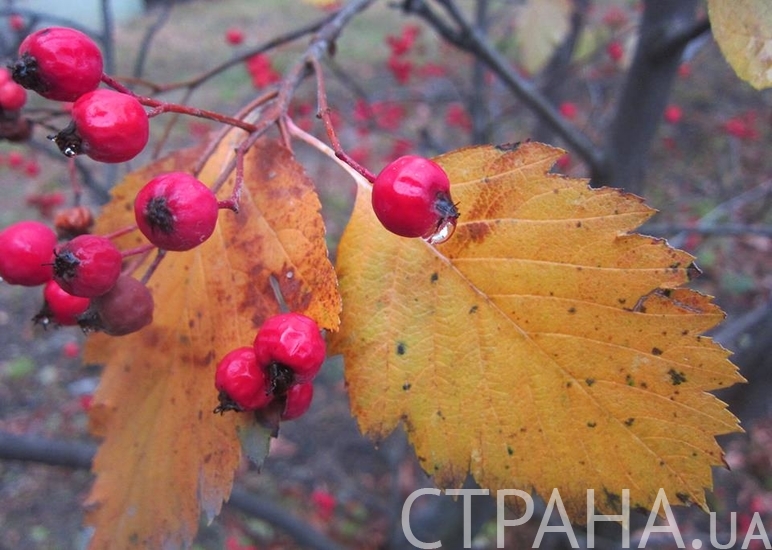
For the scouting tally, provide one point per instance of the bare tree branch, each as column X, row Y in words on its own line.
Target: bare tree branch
column 79, row 455
column 467, row 38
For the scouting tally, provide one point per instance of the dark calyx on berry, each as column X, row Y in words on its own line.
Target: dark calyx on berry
column 68, row 141
column 66, row 265
column 280, row 378
column 226, row 404
column 159, row 216
column 24, row 72
column 445, row 207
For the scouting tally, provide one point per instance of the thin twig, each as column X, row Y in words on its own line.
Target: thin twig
column 467, row 38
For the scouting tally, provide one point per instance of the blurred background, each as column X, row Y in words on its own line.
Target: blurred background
column 636, row 92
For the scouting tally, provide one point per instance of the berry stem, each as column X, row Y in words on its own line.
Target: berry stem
column 324, row 115
column 153, row 266
column 161, row 107
column 117, row 86
column 141, row 249
column 229, row 204
column 120, row 232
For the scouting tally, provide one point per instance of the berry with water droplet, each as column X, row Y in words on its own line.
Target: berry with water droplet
column 107, row 126
column 411, row 198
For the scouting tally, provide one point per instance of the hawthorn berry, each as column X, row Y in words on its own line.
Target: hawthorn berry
column 291, row 347
column 107, row 126
column 58, row 63
column 175, row 211
column 87, row 266
column 60, row 306
column 411, row 198
column 242, row 383
column 73, row 221
column 12, row 96
column 127, row 307
column 298, row 398
column 27, row 253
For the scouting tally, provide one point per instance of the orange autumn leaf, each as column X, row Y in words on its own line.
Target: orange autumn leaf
column 543, row 346
column 165, row 457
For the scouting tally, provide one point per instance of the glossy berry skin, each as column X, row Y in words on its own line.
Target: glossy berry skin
column 127, row 307
column 58, row 63
column 27, row 253
column 242, row 384
column 175, row 211
column 61, row 307
column 411, row 197
column 107, row 126
column 87, row 266
column 298, row 402
column 12, row 96
column 292, row 341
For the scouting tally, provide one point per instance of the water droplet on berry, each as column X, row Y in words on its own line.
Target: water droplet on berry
column 444, row 231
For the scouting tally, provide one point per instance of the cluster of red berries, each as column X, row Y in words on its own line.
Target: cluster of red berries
column 83, row 280
column 63, row 64
column 411, row 198
column 277, row 370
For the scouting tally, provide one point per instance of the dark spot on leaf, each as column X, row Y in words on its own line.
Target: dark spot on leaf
column 644, row 385
column 661, row 462
column 572, row 310
column 629, row 421
column 676, row 377
column 478, row 231
column 569, row 384
column 629, row 380
column 510, row 451
column 656, row 351
column 578, row 224
column 508, row 147
column 406, row 386
column 592, row 424
column 401, row 348
column 435, row 276
column 523, row 429
column 473, row 309
column 613, row 500
column 622, row 301
column 442, row 416
column 589, row 381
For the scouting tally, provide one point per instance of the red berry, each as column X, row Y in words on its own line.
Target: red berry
column 108, row 126
column 175, row 211
column 234, row 36
column 61, row 307
column 673, row 114
column 71, row 349
column 293, row 342
column 12, row 96
column 15, row 159
column 16, row 22
column 127, row 307
column 411, row 198
column 58, row 63
column 27, row 253
column 242, row 384
column 88, row 265
column 299, row 398
column 615, row 51
column 569, row 110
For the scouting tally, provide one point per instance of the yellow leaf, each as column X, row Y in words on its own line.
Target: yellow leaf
column 743, row 30
column 543, row 346
column 542, row 25
column 166, row 457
